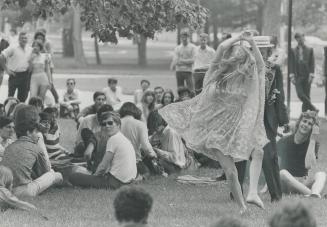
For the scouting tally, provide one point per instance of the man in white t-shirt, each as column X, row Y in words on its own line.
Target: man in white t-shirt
column 113, row 93
column 203, row 57
column 17, row 67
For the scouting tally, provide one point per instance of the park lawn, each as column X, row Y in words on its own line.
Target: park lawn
column 174, row 204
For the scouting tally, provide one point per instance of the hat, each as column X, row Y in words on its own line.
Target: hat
column 263, row 41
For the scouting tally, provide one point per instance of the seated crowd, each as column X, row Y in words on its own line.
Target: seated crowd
column 120, row 142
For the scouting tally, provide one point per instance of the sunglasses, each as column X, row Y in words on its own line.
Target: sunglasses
column 109, row 123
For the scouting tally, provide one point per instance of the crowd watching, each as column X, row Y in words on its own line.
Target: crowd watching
column 117, row 142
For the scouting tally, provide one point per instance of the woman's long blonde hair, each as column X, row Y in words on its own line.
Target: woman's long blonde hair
column 237, row 64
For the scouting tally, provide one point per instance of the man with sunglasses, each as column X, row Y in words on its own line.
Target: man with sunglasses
column 113, row 155
column 91, row 122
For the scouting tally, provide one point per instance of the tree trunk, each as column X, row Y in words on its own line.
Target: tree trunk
column 67, row 34
column 259, row 19
column 96, row 47
column 142, row 61
column 271, row 17
column 77, row 35
column 2, row 23
column 179, row 34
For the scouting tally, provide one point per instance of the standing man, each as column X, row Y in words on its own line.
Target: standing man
column 203, row 57
column 183, row 61
column 17, row 67
column 302, row 71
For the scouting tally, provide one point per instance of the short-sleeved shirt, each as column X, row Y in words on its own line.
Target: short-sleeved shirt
column 137, row 132
column 114, row 98
column 71, row 96
column 185, row 52
column 203, row 57
column 26, row 160
column 17, row 58
column 293, row 155
column 123, row 165
column 91, row 122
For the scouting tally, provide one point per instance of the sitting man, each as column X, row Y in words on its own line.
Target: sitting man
column 91, row 122
column 118, row 164
column 135, row 130
column 132, row 207
column 32, row 174
column 113, row 93
column 170, row 148
column 298, row 156
column 69, row 107
column 99, row 99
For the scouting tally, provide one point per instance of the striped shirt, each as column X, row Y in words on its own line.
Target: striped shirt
column 51, row 139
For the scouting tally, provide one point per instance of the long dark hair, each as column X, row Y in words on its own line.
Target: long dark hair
column 130, row 109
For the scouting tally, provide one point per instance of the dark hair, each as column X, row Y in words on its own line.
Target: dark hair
column 167, row 92
column 227, row 35
column 184, row 89
column 145, row 81
column 112, row 80
column 154, row 121
column 71, row 79
column 45, row 116
column 129, row 108
column 293, row 215
column 102, row 109
column 132, row 204
column 3, row 44
column 115, row 116
column 298, row 35
column 39, row 33
column 36, row 101
column 51, row 110
column 22, row 33
column 4, row 121
column 147, row 93
column 228, row 221
column 97, row 94
column 41, row 46
column 158, row 87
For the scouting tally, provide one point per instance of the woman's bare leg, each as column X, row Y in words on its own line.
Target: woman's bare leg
column 255, row 170
column 319, row 184
column 228, row 165
column 42, row 91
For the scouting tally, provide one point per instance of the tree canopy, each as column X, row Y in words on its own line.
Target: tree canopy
column 108, row 19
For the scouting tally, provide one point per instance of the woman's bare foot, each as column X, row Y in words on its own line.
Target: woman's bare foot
column 255, row 199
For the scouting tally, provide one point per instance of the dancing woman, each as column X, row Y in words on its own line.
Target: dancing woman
column 225, row 121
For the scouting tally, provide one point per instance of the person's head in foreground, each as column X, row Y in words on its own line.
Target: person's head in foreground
column 159, row 124
column 145, row 84
column 228, row 221
column 132, row 206
column 110, row 122
column 37, row 102
column 294, row 214
column 27, row 123
column 99, row 99
column 112, row 83
column 7, row 128
column 306, row 122
column 130, row 109
column 6, row 177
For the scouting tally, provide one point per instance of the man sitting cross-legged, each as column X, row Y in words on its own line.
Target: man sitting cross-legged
column 118, row 164
column 31, row 171
column 298, row 156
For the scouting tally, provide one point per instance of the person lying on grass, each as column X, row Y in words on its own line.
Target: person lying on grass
column 172, row 153
column 132, row 207
column 298, row 154
column 31, row 171
column 118, row 165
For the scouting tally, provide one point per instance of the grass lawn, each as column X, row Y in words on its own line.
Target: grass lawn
column 174, row 204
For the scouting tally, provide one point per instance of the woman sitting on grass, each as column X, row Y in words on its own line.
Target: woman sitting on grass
column 147, row 104
column 118, row 165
